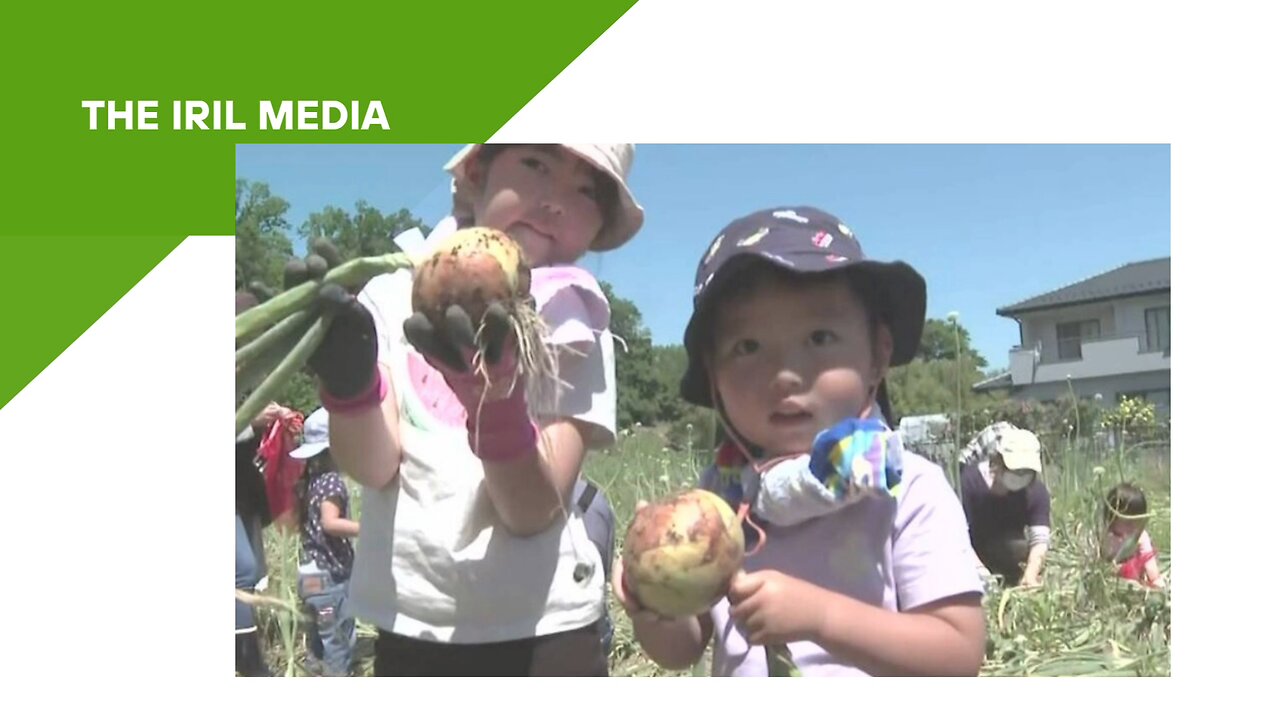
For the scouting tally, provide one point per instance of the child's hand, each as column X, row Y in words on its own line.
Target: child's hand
column 452, row 346
column 345, row 361
column 773, row 607
column 632, row 607
column 272, row 412
column 634, row 610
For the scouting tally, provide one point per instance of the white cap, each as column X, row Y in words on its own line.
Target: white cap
column 315, row 435
column 1019, row 450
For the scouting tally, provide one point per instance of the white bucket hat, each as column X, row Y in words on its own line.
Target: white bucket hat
column 315, row 435
column 614, row 160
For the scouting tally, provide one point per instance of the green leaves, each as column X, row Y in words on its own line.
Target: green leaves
column 366, row 233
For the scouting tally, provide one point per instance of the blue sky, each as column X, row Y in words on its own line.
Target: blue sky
column 987, row 225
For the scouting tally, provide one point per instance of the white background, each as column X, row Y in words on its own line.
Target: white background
column 118, row 568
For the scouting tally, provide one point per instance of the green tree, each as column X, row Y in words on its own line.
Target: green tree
column 669, row 362
column 923, row 387
column 367, row 233
column 262, row 246
column 929, row 387
column 640, row 391
column 300, row 392
column 936, row 381
column 938, row 342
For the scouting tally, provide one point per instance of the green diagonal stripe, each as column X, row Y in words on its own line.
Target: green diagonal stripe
column 445, row 73
column 59, row 287
column 454, row 73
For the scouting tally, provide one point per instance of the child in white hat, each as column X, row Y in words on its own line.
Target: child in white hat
column 472, row 561
column 325, row 556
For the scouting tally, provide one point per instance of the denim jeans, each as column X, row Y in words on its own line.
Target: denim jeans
column 248, row 572
column 331, row 629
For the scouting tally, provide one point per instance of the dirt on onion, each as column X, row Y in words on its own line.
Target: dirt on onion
column 680, row 553
column 475, row 269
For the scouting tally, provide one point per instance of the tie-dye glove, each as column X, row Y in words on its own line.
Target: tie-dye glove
column 857, row 457
column 848, row 461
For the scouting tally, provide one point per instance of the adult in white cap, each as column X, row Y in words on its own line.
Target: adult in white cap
column 325, row 554
column 1007, row 504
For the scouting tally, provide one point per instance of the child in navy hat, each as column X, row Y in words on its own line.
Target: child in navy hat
column 863, row 565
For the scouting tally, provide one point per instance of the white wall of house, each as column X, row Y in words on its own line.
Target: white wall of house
column 1099, row 358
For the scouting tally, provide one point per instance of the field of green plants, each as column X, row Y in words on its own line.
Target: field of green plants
column 1082, row 621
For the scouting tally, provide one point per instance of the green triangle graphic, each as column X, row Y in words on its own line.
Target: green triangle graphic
column 451, row 73
column 57, row 288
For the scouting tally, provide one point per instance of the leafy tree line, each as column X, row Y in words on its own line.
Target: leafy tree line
column 263, row 246
column 939, row 380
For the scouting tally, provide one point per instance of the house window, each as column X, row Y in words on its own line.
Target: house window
column 1158, row 329
column 1070, row 335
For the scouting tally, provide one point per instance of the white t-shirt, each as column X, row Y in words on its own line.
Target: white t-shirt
column 433, row 561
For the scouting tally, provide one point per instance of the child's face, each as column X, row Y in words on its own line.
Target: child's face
column 1122, row 537
column 543, row 197
column 1124, row 528
column 791, row 360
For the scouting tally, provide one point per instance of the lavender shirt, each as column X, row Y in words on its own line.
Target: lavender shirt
column 898, row 553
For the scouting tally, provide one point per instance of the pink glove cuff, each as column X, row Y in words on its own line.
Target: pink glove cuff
column 368, row 399
column 500, row 430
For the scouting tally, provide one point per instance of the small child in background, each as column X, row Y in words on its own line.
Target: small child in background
column 325, row 554
column 1127, row 542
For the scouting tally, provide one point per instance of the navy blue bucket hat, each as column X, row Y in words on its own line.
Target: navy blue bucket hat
column 800, row 239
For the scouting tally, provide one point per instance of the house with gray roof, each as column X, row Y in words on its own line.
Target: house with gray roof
column 1109, row 334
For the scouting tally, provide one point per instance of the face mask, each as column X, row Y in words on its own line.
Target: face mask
column 1017, row 480
column 850, row 461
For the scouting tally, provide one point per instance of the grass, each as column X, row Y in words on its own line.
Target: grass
column 281, row 620
column 1082, row 621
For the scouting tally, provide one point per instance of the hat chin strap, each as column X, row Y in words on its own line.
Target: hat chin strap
column 744, row 508
column 739, row 441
